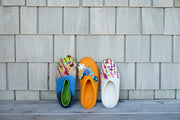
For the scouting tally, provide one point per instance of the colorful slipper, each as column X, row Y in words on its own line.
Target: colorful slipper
column 89, row 79
column 65, row 81
column 110, row 83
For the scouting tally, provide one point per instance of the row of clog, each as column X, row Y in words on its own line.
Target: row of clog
column 89, row 79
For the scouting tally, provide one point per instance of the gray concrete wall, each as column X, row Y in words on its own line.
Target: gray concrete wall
column 141, row 36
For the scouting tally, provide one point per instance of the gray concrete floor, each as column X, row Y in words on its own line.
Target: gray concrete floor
column 125, row 110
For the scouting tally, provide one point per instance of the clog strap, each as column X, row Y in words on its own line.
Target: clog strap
column 109, row 69
column 65, row 64
column 85, row 71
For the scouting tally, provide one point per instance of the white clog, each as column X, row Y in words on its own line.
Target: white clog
column 110, row 83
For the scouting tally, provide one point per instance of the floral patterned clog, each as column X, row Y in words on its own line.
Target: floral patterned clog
column 89, row 78
column 110, row 83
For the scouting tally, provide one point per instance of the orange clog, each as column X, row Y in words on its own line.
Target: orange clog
column 89, row 79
